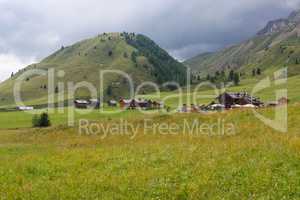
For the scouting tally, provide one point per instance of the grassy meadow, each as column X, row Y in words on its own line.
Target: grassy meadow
column 19, row 119
column 256, row 162
column 230, row 155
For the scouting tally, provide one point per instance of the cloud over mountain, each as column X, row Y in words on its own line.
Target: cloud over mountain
column 33, row 29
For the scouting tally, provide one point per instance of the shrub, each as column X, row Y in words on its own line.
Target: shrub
column 41, row 121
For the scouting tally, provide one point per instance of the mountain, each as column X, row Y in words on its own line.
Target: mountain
column 275, row 46
column 136, row 55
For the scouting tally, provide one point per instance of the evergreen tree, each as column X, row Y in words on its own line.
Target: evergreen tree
column 258, row 71
column 231, row 75
column 44, row 120
column 41, row 121
column 236, row 79
column 208, row 77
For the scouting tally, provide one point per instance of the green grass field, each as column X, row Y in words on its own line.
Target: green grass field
column 58, row 163
column 17, row 119
column 256, row 162
column 230, row 155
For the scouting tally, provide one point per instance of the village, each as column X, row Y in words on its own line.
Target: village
column 225, row 101
column 228, row 101
column 125, row 104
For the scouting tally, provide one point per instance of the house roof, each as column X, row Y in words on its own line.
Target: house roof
column 242, row 95
column 245, row 97
column 25, row 108
column 81, row 101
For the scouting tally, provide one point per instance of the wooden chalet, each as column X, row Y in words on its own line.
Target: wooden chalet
column 231, row 99
column 124, row 103
column 84, row 104
column 143, row 104
column 81, row 104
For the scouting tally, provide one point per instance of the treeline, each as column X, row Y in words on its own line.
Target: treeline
column 165, row 68
column 223, row 77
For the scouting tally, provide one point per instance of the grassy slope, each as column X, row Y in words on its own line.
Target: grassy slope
column 268, row 94
column 57, row 163
column 83, row 62
column 84, row 67
column 268, row 52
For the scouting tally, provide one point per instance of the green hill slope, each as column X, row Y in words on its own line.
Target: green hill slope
column 136, row 55
column 275, row 46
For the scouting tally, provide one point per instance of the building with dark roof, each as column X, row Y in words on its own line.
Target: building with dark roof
column 230, row 99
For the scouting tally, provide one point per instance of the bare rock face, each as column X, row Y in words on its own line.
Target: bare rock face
column 294, row 17
column 279, row 25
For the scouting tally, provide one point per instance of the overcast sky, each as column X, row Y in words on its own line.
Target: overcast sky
column 32, row 29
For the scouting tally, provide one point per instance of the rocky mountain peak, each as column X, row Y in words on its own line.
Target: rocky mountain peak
column 274, row 27
column 294, row 16
column 279, row 25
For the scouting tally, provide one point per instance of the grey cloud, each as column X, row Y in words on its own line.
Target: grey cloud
column 34, row 29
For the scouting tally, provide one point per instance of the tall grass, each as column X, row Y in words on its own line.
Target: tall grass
column 58, row 163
